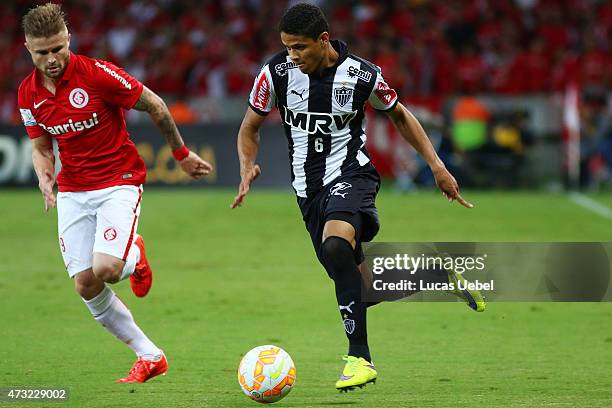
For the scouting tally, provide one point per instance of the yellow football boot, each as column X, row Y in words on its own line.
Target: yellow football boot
column 357, row 373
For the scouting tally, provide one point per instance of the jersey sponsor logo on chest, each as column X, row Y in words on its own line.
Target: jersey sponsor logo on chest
column 356, row 72
column 72, row 126
column 312, row 122
column 282, row 68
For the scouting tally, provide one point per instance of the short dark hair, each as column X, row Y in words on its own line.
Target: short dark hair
column 304, row 19
column 44, row 21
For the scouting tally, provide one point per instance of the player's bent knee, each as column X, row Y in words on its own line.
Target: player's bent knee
column 87, row 285
column 335, row 250
column 340, row 229
column 108, row 272
column 107, row 267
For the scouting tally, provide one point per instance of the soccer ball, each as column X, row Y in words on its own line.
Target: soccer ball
column 266, row 374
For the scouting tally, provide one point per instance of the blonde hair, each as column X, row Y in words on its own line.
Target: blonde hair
column 44, row 21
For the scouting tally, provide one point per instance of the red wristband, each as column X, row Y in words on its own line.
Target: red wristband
column 180, row 153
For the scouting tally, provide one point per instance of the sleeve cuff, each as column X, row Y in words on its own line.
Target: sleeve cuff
column 34, row 132
column 258, row 111
column 136, row 96
column 389, row 109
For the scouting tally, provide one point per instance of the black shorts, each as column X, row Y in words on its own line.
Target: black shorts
column 349, row 198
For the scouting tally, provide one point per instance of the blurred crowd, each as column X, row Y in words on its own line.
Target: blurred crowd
column 429, row 50
column 425, row 47
column 213, row 47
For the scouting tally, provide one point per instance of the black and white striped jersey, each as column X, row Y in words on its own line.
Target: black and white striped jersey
column 323, row 115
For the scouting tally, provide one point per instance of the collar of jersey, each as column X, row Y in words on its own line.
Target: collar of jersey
column 342, row 49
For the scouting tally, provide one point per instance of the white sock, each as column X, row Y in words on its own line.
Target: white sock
column 111, row 313
column 130, row 262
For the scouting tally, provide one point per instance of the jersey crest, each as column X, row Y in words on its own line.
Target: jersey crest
column 342, row 95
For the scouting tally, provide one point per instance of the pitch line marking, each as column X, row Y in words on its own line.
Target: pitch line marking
column 591, row 205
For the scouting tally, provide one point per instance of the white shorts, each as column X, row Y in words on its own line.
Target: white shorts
column 96, row 221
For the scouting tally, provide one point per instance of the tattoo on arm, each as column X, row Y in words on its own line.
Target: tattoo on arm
column 156, row 108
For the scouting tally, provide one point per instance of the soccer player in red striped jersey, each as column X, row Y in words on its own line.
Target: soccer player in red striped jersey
column 79, row 102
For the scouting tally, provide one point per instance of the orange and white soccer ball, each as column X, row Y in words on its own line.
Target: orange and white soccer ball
column 266, row 374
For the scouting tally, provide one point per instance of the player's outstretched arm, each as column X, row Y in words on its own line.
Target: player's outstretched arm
column 190, row 162
column 411, row 130
column 248, row 144
column 43, row 161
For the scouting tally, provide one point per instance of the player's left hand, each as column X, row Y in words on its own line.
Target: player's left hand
column 449, row 187
column 195, row 166
column 247, row 177
column 46, row 183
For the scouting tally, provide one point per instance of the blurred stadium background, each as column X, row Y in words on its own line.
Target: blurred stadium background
column 514, row 93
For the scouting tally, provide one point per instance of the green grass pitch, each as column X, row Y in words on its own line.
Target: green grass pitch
column 226, row 281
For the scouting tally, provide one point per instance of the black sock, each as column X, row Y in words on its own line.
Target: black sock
column 339, row 261
column 360, row 350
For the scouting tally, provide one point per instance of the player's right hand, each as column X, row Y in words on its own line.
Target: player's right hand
column 247, row 177
column 46, row 184
column 195, row 166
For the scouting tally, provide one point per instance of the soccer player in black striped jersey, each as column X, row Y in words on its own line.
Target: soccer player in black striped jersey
column 321, row 91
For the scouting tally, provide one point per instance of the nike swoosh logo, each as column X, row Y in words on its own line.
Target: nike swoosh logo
column 36, row 105
column 276, row 373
